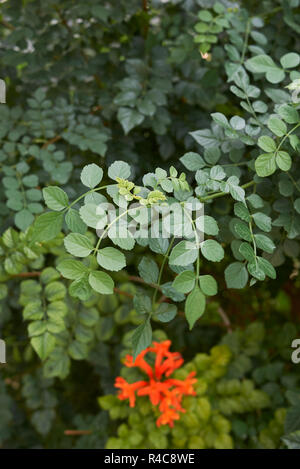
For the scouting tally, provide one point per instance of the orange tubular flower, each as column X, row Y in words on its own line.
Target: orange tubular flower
column 165, row 394
column 128, row 390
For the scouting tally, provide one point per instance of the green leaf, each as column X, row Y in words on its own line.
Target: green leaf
column 241, row 211
column 166, row 312
column 207, row 225
column 247, row 252
column 43, row 345
column 111, row 259
column 55, row 198
column 262, row 221
column 47, row 226
column 141, row 338
column 290, row 60
column 297, row 205
column 55, row 291
column 220, row 119
column 256, row 271
column 255, row 200
column 142, row 303
column 193, row 161
column 289, row 113
column 292, row 440
column 93, row 216
column 236, row 275
column 266, row 267
column 267, row 144
column 91, row 175
column 78, row 350
column 148, row 270
column 23, row 219
column 72, row 269
column 212, row 250
column 129, row 118
column 277, row 126
column 217, row 173
column 205, row 15
column 283, row 160
column 74, row 222
column 184, row 282
column 184, row 253
column 78, row 245
column 264, row 243
column 119, row 169
column 261, row 63
column 208, row 285
column 194, row 306
column 101, row 282
column 242, row 230
column 265, row 164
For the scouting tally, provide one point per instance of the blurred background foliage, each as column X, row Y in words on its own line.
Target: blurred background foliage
column 125, row 80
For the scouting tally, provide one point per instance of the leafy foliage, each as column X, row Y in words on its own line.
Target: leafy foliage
column 113, row 113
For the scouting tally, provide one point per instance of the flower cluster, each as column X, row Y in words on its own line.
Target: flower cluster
column 166, row 394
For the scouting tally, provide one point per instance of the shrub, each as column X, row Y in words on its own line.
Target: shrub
column 177, row 105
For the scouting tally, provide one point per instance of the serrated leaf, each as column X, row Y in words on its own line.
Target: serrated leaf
column 72, row 269
column 91, row 175
column 212, row 250
column 119, row 169
column 208, row 285
column 267, row 144
column 236, row 275
column 78, row 245
column 277, row 126
column 47, row 226
column 101, row 282
column 265, row 164
column 141, row 338
column 148, row 270
column 184, row 253
column 129, row 118
column 192, row 161
column 166, row 312
column 264, row 243
column 194, row 306
column 247, row 252
column 242, row 230
column 43, row 345
column 241, row 211
column 74, row 222
column 266, row 267
column 184, row 282
column 283, row 160
column 55, row 198
column 111, row 259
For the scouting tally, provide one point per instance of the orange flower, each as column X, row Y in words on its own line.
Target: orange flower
column 165, row 394
column 128, row 390
column 167, row 418
column 186, row 386
column 139, row 362
column 154, row 390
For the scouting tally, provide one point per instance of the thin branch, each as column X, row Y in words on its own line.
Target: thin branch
column 27, row 274
column 77, row 432
column 52, row 140
column 225, row 319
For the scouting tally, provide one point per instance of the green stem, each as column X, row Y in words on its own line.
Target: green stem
column 286, row 136
column 221, row 194
column 107, row 228
column 248, row 28
column 161, row 271
column 83, row 195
